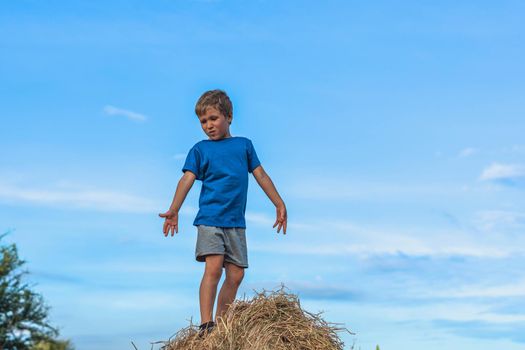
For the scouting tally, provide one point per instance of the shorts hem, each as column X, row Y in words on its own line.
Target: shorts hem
column 235, row 263
column 201, row 256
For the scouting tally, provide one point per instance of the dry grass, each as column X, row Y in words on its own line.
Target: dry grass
column 271, row 320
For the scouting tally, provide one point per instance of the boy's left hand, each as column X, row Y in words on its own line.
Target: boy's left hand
column 282, row 218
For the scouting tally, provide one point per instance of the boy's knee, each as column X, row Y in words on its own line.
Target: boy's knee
column 213, row 268
column 235, row 275
column 213, row 274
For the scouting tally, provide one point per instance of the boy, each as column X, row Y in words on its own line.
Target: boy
column 222, row 163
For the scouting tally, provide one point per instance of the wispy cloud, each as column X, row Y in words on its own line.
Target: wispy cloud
column 498, row 171
column 370, row 249
column 466, row 152
column 262, row 219
column 179, row 156
column 128, row 266
column 514, row 149
column 514, row 331
column 368, row 242
column 259, row 218
column 459, row 311
column 111, row 110
column 99, row 200
column 136, row 300
column 516, row 289
column 490, row 219
column 335, row 189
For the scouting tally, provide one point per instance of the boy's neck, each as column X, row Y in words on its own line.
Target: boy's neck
column 225, row 137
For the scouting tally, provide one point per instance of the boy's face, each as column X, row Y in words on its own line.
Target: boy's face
column 214, row 124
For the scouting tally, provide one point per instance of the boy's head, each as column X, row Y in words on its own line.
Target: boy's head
column 215, row 112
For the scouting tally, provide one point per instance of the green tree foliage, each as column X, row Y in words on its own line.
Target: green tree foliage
column 23, row 313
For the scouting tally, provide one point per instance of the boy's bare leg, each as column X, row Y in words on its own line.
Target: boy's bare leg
column 208, row 287
column 234, row 276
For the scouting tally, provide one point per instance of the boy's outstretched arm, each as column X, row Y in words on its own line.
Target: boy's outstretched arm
column 172, row 215
column 267, row 185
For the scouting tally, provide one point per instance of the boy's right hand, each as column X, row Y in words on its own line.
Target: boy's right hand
column 171, row 222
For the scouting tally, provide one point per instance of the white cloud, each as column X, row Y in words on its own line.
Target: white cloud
column 129, row 266
column 100, row 200
column 514, row 149
column 370, row 249
column 516, row 289
column 259, row 218
column 263, row 220
column 179, row 156
column 125, row 300
column 497, row 171
column 347, row 238
column 350, row 239
column 490, row 219
column 464, row 312
column 467, row 152
column 456, row 310
column 110, row 110
column 335, row 189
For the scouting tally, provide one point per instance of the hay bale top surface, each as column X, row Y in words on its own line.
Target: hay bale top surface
column 270, row 320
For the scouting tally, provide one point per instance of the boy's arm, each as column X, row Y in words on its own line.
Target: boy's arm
column 268, row 187
column 172, row 215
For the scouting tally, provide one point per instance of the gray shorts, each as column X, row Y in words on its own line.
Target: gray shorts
column 227, row 241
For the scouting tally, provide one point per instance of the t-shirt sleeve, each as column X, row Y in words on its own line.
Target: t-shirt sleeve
column 253, row 160
column 193, row 163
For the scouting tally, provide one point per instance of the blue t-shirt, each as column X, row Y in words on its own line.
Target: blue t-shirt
column 223, row 167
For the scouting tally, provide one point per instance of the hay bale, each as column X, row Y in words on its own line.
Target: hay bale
column 272, row 320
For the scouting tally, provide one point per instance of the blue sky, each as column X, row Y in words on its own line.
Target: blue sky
column 393, row 131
